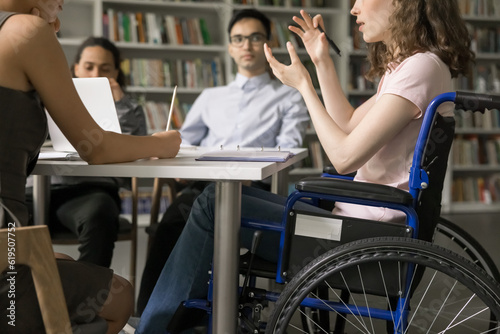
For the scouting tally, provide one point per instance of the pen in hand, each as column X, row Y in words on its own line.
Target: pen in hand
column 332, row 43
column 171, row 108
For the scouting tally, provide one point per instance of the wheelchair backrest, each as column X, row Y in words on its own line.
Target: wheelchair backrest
column 435, row 160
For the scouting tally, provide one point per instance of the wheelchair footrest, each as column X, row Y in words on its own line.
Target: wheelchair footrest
column 185, row 318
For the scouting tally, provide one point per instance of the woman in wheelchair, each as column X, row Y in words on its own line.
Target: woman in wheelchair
column 416, row 48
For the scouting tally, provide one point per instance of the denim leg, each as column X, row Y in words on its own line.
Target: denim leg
column 185, row 274
column 264, row 205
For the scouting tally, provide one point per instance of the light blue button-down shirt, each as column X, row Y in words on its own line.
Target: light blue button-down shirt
column 269, row 115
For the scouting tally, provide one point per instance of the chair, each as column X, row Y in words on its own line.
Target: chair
column 157, row 192
column 375, row 276
column 127, row 232
column 33, row 248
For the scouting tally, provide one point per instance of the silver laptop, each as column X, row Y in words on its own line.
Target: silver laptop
column 96, row 95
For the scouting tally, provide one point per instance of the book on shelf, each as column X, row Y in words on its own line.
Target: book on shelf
column 153, row 28
column 489, row 120
column 484, row 78
column 476, row 189
column 475, row 150
column 283, row 3
column 156, row 114
column 357, row 80
column 280, row 34
column 479, row 7
column 190, row 73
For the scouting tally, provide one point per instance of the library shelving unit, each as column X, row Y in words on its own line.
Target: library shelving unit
column 479, row 177
column 473, row 180
column 83, row 18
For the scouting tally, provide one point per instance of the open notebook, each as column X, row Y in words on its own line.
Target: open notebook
column 96, row 95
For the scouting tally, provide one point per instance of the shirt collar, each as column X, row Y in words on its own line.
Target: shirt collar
column 258, row 81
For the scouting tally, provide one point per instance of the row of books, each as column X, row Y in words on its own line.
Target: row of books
column 283, row 3
column 479, row 7
column 476, row 189
column 483, row 78
column 152, row 28
column 157, row 114
column 357, row 73
column 484, row 39
column 474, row 150
column 468, row 120
column 280, row 34
column 196, row 73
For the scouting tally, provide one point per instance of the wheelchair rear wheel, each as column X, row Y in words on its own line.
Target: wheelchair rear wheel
column 451, row 295
column 450, row 236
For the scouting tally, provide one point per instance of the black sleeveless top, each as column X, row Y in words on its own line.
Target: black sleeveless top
column 23, row 129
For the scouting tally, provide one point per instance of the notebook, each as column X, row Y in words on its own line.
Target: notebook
column 96, row 95
column 247, row 154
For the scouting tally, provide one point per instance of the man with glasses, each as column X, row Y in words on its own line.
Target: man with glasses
column 253, row 111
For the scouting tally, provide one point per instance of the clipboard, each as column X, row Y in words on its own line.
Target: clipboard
column 246, row 155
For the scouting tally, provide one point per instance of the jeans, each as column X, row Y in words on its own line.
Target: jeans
column 186, row 272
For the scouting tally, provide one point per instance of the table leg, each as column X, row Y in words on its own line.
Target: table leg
column 226, row 256
column 279, row 182
column 41, row 199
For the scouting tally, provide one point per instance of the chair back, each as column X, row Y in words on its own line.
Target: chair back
column 31, row 246
column 434, row 163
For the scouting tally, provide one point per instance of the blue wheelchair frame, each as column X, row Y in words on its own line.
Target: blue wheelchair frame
column 388, row 197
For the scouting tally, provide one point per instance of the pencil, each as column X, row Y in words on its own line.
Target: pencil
column 171, row 108
column 332, row 43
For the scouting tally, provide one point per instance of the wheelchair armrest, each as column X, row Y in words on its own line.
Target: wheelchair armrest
column 353, row 189
column 332, row 172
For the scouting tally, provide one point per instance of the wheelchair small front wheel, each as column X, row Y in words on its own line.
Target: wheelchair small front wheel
column 395, row 285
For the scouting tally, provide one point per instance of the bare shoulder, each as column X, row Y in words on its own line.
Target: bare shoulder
column 25, row 41
column 23, row 31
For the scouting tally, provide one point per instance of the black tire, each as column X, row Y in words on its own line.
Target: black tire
column 451, row 236
column 457, row 280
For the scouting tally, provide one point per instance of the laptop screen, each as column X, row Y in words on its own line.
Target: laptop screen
column 96, row 95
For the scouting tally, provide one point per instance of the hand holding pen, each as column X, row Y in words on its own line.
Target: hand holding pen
column 332, row 43
column 307, row 31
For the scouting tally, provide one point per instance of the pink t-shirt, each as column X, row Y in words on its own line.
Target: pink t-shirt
column 418, row 79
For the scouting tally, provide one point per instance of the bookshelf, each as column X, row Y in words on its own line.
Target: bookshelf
column 82, row 18
column 157, row 60
column 473, row 178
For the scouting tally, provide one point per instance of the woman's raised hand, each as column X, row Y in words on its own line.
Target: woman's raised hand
column 314, row 40
column 294, row 75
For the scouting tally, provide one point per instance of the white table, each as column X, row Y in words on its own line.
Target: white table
column 228, row 177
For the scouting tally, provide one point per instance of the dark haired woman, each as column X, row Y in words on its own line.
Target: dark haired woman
column 34, row 73
column 89, row 207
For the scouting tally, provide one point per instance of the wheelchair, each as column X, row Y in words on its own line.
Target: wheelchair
column 350, row 275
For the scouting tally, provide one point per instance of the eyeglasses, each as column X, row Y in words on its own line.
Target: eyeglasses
column 255, row 38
